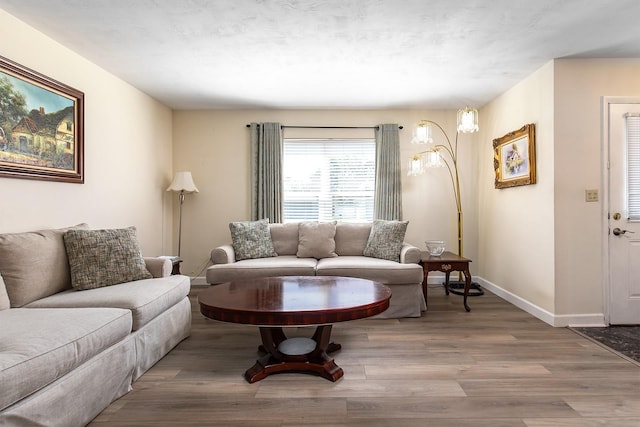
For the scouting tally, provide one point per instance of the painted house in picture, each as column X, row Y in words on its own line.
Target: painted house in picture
column 45, row 139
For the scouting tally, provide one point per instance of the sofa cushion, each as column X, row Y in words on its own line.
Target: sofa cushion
column 4, row 298
column 34, row 264
column 39, row 346
column 380, row 270
column 351, row 237
column 146, row 298
column 285, row 238
column 385, row 239
column 316, row 239
column 285, row 265
column 251, row 239
column 100, row 258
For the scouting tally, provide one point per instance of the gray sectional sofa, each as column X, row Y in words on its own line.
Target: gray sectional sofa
column 66, row 354
column 300, row 249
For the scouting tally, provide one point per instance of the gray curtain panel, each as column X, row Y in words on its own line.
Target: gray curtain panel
column 388, row 192
column 266, row 171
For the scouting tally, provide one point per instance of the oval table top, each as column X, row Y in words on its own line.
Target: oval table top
column 294, row 300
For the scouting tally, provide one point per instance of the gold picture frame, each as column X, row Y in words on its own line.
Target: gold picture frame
column 514, row 158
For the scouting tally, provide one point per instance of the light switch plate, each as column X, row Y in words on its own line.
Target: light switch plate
column 591, row 195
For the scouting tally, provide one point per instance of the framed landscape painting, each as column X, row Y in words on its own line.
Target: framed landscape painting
column 41, row 126
column 514, row 158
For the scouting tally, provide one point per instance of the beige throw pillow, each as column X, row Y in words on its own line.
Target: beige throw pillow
column 99, row 258
column 316, row 240
column 4, row 298
column 34, row 264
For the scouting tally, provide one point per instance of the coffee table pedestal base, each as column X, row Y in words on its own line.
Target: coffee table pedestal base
column 307, row 355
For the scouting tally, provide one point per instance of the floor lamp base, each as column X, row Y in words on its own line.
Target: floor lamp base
column 457, row 288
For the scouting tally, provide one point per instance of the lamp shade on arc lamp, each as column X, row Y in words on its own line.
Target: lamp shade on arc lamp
column 468, row 120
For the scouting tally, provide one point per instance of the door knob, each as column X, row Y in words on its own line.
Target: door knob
column 619, row 232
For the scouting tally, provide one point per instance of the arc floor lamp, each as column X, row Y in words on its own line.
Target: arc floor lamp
column 183, row 183
column 444, row 155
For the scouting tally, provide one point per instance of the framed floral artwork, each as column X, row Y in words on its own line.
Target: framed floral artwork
column 514, row 158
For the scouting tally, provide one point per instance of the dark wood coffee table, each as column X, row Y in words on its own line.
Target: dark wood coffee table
column 273, row 303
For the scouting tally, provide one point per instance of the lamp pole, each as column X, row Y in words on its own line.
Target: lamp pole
column 182, row 183
column 452, row 167
column 467, row 122
column 180, row 222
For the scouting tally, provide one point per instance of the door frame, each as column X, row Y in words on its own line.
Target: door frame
column 606, row 202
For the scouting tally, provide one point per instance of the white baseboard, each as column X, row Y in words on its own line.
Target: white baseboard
column 562, row 320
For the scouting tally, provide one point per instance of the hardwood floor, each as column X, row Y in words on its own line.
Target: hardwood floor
column 495, row 366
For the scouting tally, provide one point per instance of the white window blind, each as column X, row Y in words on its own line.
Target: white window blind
column 328, row 179
column 633, row 165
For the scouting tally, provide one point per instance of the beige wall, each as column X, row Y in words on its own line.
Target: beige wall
column 128, row 151
column 555, row 262
column 579, row 88
column 214, row 146
column 516, row 225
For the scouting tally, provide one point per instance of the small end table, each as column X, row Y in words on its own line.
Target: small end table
column 176, row 265
column 446, row 263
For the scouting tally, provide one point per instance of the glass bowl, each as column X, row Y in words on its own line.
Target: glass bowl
column 435, row 247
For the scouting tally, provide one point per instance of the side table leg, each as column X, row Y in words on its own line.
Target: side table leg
column 467, row 286
column 446, row 282
column 425, row 286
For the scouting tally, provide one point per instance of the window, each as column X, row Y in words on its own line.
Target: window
column 328, row 179
column 633, row 166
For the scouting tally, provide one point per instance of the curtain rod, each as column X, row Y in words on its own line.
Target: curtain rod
column 329, row 127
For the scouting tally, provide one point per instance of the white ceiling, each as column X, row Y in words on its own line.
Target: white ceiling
column 201, row 54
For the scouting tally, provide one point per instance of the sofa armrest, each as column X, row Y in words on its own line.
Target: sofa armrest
column 158, row 267
column 223, row 255
column 410, row 254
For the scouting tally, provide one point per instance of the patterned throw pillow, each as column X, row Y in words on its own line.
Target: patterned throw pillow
column 385, row 240
column 99, row 258
column 251, row 239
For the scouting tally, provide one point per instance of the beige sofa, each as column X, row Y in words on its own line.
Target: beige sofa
column 403, row 276
column 66, row 354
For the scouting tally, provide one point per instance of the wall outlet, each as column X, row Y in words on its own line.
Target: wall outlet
column 591, row 195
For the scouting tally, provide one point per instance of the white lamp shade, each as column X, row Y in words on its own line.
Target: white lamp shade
column 422, row 133
column 468, row 120
column 433, row 159
column 416, row 165
column 183, row 182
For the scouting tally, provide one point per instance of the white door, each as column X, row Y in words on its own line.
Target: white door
column 624, row 221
